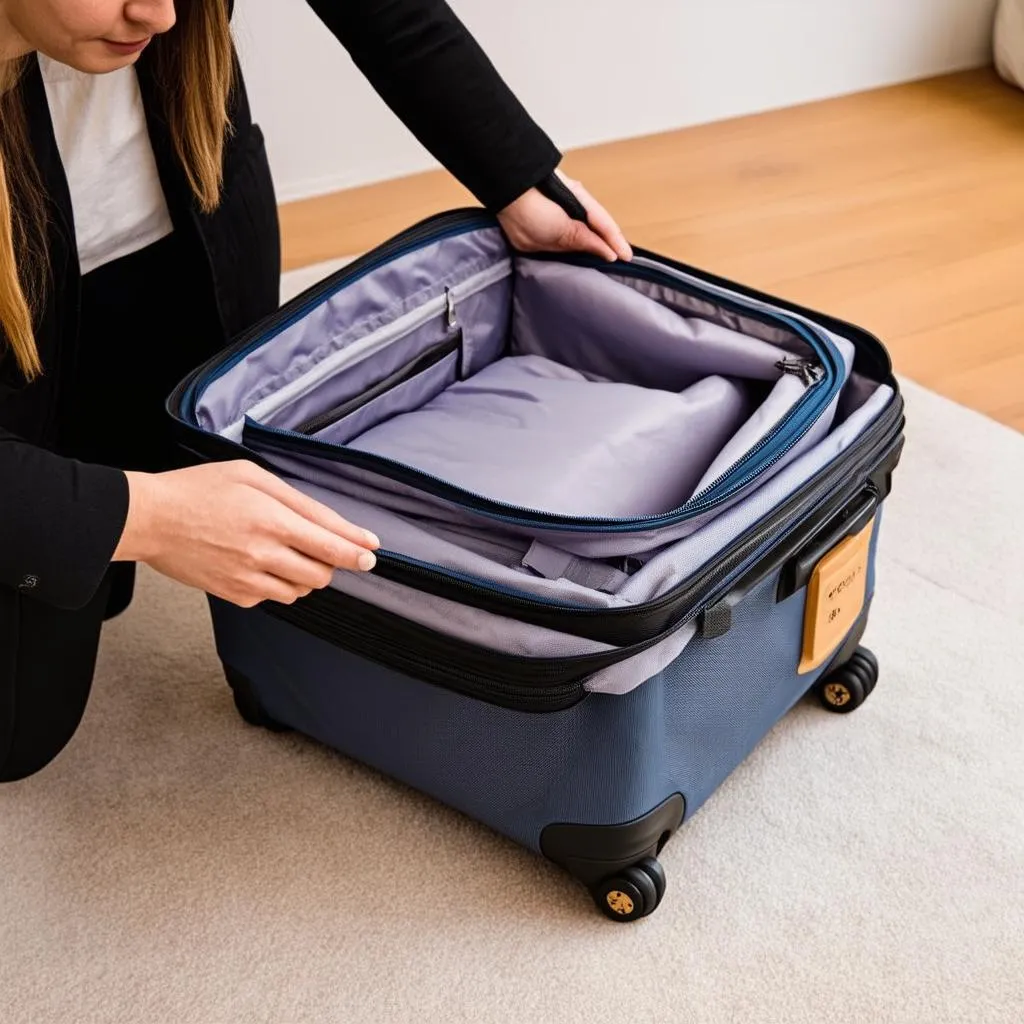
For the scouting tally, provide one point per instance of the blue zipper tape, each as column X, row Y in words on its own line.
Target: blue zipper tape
column 769, row 450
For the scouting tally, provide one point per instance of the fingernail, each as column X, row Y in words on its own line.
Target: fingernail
column 372, row 540
column 367, row 561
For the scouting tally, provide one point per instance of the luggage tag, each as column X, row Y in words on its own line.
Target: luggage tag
column 835, row 597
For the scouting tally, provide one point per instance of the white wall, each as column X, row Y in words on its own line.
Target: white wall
column 595, row 70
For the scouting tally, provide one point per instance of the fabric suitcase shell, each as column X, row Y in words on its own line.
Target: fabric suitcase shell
column 439, row 391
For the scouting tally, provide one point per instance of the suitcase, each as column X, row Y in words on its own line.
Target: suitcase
column 629, row 515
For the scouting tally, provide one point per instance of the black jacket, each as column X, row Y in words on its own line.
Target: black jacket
column 61, row 519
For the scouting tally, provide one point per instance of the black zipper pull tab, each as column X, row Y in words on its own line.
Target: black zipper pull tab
column 449, row 303
column 806, row 369
column 812, row 372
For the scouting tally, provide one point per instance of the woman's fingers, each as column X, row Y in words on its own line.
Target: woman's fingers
column 579, row 238
column 318, row 513
column 266, row 587
column 236, row 531
column 318, row 531
column 601, row 222
column 297, row 569
column 326, row 546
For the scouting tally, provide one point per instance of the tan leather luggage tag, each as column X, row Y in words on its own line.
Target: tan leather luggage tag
column 835, row 597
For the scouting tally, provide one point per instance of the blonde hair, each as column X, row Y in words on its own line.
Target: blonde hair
column 195, row 69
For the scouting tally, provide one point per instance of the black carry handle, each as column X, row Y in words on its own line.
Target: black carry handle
column 850, row 520
column 796, row 557
column 553, row 188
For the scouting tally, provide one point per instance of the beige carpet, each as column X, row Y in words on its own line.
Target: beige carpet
column 175, row 865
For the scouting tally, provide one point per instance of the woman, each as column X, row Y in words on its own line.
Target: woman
column 138, row 234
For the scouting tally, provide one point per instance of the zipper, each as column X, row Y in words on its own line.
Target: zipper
column 807, row 370
column 453, row 325
column 512, row 681
column 449, row 306
column 423, row 362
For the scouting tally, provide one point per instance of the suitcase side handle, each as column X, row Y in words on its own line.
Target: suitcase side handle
column 851, row 519
column 796, row 557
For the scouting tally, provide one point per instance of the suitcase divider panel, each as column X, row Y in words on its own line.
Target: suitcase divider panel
column 362, row 299
column 503, row 653
column 341, row 368
column 794, row 414
column 650, row 598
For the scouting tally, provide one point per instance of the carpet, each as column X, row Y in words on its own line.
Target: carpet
column 175, row 865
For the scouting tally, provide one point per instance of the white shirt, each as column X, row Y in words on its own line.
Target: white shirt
column 100, row 125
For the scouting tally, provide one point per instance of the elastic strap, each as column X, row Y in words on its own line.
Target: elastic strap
column 553, row 564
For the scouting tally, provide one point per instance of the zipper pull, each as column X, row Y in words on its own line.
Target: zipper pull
column 449, row 303
column 806, row 369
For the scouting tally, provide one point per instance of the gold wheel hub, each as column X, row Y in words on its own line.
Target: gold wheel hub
column 619, row 902
column 837, row 694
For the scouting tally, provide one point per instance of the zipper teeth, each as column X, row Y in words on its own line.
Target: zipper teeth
column 477, row 583
column 434, row 656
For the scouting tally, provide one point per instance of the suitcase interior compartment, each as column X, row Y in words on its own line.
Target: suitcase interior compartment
column 597, row 391
column 599, row 351
column 583, row 350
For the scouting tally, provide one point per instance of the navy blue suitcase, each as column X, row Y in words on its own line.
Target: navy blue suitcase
column 629, row 515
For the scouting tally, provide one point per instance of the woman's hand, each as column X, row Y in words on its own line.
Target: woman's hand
column 238, row 532
column 535, row 223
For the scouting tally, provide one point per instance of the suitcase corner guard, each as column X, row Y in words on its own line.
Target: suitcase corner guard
column 591, row 852
column 618, row 863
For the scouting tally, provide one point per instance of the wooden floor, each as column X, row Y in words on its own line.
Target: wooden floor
column 901, row 210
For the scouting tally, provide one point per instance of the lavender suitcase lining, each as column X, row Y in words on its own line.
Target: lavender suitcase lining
column 571, row 325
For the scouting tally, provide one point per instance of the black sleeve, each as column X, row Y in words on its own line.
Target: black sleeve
column 60, row 522
column 431, row 72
